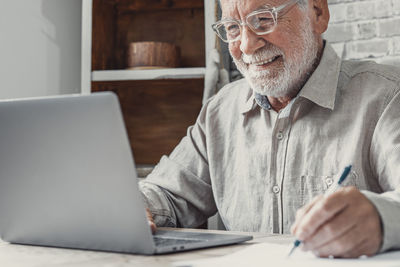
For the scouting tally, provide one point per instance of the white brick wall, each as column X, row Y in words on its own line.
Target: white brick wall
column 365, row 29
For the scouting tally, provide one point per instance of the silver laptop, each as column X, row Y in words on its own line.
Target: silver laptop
column 68, row 179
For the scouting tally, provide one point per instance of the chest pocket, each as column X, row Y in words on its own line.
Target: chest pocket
column 301, row 190
column 306, row 187
column 331, row 181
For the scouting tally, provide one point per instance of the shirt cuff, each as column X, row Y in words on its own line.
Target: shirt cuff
column 388, row 207
column 159, row 210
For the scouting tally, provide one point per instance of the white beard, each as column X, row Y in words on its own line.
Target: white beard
column 295, row 72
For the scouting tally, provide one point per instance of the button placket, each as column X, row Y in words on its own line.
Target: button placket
column 277, row 170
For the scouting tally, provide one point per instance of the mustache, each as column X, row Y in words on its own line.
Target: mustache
column 262, row 54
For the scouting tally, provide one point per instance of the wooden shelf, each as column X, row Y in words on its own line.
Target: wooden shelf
column 113, row 31
column 158, row 104
column 156, row 74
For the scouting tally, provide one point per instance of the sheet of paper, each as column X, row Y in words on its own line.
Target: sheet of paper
column 265, row 254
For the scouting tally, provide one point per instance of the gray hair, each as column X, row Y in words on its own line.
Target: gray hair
column 303, row 4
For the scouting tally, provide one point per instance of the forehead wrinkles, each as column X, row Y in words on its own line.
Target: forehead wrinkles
column 238, row 9
column 230, row 8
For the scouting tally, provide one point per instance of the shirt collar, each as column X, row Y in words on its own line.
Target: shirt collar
column 320, row 88
column 249, row 100
column 252, row 100
column 322, row 85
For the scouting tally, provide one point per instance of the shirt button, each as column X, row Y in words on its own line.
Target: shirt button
column 276, row 189
column 329, row 181
column 279, row 136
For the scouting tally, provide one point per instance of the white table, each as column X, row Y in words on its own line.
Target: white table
column 20, row 255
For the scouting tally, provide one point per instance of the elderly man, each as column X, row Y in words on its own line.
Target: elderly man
column 264, row 149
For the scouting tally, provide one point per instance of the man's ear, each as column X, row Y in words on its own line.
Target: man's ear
column 320, row 15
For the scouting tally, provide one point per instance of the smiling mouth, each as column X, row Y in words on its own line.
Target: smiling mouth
column 266, row 62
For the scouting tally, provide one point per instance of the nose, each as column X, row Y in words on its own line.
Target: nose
column 250, row 42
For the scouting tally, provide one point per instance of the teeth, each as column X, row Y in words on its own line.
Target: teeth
column 265, row 62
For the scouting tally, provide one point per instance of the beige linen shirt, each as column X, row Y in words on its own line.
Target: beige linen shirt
column 256, row 167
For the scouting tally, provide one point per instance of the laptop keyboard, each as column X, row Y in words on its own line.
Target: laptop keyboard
column 163, row 241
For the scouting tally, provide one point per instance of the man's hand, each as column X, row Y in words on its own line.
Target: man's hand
column 153, row 226
column 344, row 224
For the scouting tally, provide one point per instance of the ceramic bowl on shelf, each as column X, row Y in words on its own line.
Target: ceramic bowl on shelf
column 152, row 55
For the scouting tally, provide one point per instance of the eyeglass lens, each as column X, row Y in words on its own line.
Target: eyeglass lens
column 259, row 22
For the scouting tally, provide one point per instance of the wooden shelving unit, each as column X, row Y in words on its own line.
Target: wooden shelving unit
column 158, row 74
column 158, row 105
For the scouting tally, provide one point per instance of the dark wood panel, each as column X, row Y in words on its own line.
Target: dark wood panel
column 156, row 113
column 103, row 35
column 181, row 27
column 140, row 5
column 174, row 21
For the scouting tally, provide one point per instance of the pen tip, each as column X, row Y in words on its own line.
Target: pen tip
column 291, row 251
column 295, row 245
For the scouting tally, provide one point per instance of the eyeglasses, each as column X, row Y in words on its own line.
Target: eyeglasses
column 262, row 21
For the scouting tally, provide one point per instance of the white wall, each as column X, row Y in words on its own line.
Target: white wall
column 40, row 47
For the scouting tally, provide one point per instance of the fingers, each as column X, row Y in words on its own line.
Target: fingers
column 150, row 220
column 351, row 244
column 331, row 230
column 340, row 245
column 358, row 250
column 301, row 212
column 367, row 247
column 345, row 224
column 322, row 211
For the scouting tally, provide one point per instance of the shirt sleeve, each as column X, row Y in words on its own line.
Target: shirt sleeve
column 388, row 206
column 385, row 161
column 178, row 191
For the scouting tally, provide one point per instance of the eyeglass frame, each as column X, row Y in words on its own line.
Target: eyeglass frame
column 275, row 15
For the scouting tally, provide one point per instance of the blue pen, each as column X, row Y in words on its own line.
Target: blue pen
column 338, row 184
